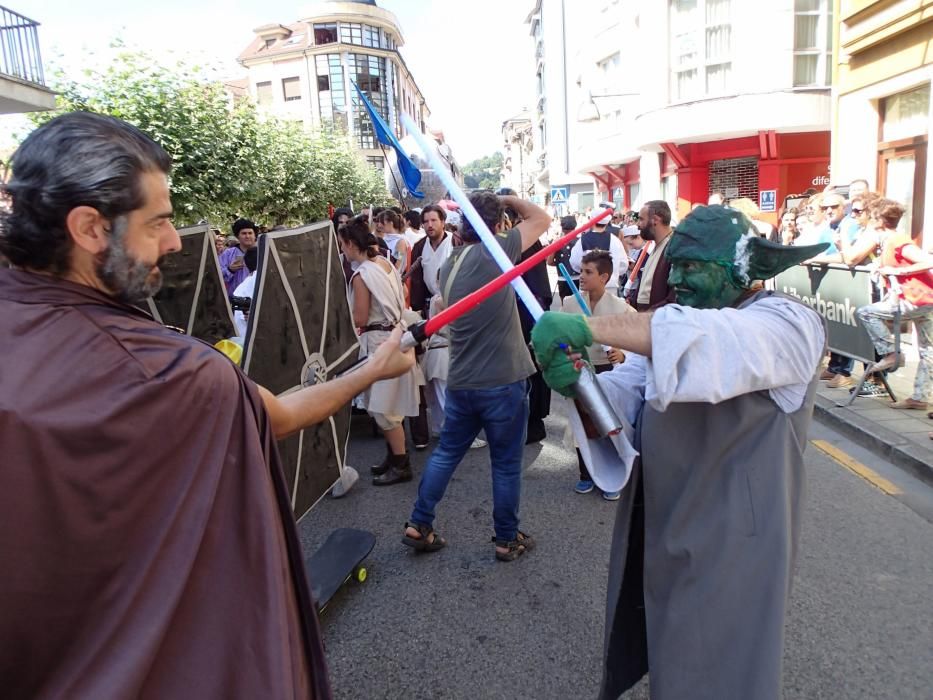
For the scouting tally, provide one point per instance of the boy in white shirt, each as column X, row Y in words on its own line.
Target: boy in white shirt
column 596, row 270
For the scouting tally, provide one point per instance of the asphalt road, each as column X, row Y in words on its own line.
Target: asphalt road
column 458, row 624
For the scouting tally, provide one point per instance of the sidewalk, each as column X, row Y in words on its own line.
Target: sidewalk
column 900, row 436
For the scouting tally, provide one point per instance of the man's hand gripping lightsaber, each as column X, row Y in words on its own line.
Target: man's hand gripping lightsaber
column 587, row 389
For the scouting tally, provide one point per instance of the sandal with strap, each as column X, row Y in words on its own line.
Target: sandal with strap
column 517, row 547
column 427, row 541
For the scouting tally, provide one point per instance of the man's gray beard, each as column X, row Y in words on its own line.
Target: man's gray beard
column 129, row 280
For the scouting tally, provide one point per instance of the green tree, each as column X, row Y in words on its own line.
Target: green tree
column 227, row 161
column 483, row 173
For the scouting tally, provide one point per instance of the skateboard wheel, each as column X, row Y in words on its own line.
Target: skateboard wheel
column 361, row 574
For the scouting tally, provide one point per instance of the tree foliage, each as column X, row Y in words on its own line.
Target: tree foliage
column 483, row 173
column 227, row 161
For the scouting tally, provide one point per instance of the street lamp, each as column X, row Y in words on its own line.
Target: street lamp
column 589, row 112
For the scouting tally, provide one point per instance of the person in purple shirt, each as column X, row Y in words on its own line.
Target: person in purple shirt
column 231, row 260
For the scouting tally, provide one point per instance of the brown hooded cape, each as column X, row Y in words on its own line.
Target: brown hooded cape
column 148, row 547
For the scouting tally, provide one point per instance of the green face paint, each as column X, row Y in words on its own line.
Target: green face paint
column 702, row 285
column 716, row 254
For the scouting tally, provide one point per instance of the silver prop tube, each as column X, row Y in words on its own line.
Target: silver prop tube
column 591, row 396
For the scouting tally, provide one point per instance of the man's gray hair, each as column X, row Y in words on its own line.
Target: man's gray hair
column 76, row 159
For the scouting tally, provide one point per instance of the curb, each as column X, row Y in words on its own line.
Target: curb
column 903, row 453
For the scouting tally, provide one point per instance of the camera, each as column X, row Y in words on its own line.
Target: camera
column 514, row 218
column 240, row 303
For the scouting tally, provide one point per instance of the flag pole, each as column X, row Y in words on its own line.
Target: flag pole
column 401, row 197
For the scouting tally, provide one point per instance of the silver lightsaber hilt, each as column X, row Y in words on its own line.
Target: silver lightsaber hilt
column 414, row 336
column 593, row 399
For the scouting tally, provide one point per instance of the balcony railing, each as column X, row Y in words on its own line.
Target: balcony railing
column 19, row 47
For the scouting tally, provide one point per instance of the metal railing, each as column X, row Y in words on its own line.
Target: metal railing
column 19, row 47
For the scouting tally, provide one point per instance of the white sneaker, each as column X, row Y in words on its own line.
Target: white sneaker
column 477, row 444
column 348, row 478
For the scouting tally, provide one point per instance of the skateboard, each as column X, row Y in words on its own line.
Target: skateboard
column 337, row 561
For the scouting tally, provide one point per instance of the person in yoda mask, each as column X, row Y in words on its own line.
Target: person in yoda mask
column 719, row 387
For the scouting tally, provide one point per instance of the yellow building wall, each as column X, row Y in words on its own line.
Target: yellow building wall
column 880, row 48
column 880, row 39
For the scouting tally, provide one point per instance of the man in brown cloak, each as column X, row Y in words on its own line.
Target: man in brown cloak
column 148, row 546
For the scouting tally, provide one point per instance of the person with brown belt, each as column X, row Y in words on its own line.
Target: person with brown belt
column 377, row 300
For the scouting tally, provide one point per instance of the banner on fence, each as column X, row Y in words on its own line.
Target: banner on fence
column 834, row 292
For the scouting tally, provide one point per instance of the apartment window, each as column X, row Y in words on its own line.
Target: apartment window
column 377, row 162
column 609, row 71
column 701, row 48
column 325, row 33
column 813, row 43
column 331, row 94
column 902, row 153
column 387, row 42
column 611, row 65
column 291, row 89
column 359, row 34
column 351, row 33
column 369, row 73
column 264, row 93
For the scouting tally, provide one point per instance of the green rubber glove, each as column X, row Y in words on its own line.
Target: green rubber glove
column 553, row 330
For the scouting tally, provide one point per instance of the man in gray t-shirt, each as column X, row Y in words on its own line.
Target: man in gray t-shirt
column 487, row 385
column 486, row 345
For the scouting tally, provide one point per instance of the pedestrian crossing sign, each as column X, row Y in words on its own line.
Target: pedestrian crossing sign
column 559, row 195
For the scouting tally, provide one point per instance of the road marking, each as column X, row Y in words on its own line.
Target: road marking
column 857, row 467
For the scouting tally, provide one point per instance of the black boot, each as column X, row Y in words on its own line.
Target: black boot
column 380, row 469
column 399, row 470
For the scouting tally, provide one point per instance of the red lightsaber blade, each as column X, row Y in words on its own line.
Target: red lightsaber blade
column 588, row 390
column 474, row 299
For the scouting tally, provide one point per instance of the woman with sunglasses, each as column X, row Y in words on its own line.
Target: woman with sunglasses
column 867, row 243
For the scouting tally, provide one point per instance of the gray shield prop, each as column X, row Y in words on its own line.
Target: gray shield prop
column 300, row 331
column 193, row 297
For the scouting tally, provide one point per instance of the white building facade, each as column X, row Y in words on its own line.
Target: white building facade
column 303, row 71
column 520, row 164
column 554, row 115
column 678, row 98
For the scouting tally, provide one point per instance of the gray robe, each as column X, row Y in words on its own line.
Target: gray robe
column 704, row 547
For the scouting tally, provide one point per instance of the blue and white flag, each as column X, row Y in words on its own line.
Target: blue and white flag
column 410, row 173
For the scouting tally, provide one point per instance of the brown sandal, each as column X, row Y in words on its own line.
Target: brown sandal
column 517, row 547
column 427, row 541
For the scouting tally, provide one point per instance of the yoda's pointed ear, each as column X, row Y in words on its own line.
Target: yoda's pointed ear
column 768, row 259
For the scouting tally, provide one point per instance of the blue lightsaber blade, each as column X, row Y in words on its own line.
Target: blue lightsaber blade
column 485, row 235
column 587, row 388
column 573, row 288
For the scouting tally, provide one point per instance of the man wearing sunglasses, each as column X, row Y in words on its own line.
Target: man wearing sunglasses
column 838, row 373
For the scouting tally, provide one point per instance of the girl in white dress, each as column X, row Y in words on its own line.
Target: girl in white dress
column 377, row 301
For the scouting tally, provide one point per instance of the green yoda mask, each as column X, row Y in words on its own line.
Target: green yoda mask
column 716, row 254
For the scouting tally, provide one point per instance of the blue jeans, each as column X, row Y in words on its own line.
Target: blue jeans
column 840, row 364
column 502, row 412
column 874, row 318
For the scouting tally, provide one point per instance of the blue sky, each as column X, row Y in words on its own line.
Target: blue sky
column 472, row 59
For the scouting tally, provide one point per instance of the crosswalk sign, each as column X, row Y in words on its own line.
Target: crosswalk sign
column 559, row 195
